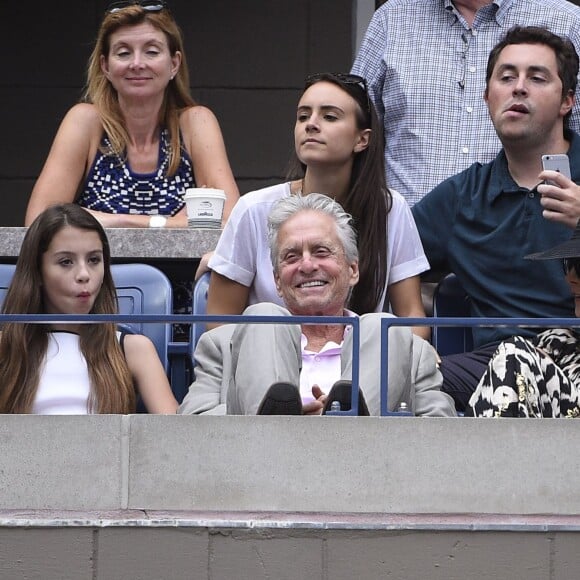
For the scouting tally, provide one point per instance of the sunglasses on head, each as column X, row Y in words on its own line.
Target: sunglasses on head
column 342, row 79
column 572, row 264
column 148, row 5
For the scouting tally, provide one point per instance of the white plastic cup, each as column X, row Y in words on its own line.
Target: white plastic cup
column 205, row 207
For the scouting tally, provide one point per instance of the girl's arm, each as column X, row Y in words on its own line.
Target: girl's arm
column 225, row 296
column 405, row 299
column 205, row 144
column 149, row 375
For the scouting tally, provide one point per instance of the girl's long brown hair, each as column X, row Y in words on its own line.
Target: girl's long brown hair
column 23, row 346
column 368, row 199
column 101, row 93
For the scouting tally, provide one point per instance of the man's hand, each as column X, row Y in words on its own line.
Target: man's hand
column 560, row 199
column 315, row 407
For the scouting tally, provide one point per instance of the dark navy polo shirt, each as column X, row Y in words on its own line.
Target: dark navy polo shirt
column 480, row 224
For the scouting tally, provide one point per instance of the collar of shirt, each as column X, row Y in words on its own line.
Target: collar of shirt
column 501, row 180
column 498, row 9
column 330, row 347
column 321, row 368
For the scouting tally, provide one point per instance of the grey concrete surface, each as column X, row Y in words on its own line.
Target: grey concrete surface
column 344, row 464
column 288, row 464
column 443, row 556
column 259, row 554
column 152, row 554
column 62, row 462
column 183, row 244
column 222, row 554
column 58, row 554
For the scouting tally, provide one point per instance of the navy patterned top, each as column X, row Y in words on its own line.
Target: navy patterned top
column 112, row 187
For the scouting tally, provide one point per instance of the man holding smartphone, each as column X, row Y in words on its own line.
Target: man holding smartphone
column 482, row 222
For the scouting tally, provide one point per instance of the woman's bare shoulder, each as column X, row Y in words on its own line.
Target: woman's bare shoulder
column 196, row 116
column 86, row 116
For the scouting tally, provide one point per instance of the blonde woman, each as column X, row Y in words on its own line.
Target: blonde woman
column 130, row 150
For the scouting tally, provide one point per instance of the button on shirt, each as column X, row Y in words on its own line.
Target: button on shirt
column 425, row 68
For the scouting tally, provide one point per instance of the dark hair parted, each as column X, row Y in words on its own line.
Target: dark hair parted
column 368, row 199
column 101, row 93
column 23, row 346
column 566, row 55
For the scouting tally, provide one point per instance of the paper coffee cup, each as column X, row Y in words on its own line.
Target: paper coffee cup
column 205, row 207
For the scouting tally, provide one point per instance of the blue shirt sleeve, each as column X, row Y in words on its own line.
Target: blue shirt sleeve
column 434, row 216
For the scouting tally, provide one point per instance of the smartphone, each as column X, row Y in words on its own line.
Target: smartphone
column 559, row 163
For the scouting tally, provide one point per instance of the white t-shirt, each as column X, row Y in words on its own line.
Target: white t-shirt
column 243, row 253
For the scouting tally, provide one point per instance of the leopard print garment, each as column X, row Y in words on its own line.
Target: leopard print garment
column 525, row 378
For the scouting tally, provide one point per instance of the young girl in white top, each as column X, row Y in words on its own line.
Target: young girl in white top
column 64, row 268
column 339, row 152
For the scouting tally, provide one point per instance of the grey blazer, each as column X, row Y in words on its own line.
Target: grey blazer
column 214, row 374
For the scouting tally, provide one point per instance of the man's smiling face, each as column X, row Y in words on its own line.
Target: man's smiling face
column 313, row 276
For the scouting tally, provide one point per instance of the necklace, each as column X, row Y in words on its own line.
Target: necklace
column 300, row 188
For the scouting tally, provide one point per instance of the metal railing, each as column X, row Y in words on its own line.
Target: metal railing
column 386, row 323
column 208, row 318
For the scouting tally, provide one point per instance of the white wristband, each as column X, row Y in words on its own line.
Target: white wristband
column 157, row 221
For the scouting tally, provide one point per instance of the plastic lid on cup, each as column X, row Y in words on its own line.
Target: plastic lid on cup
column 205, row 192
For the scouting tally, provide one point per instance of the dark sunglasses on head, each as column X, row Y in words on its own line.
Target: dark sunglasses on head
column 148, row 5
column 344, row 79
column 572, row 264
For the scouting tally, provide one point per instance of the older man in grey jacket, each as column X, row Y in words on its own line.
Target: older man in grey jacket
column 315, row 262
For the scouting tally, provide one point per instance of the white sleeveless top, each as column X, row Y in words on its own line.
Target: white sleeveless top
column 64, row 386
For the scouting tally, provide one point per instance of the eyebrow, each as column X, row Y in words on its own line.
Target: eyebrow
column 323, row 107
column 121, row 43
column 73, row 253
column 298, row 248
column 533, row 68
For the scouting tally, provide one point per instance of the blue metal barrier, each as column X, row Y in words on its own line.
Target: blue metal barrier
column 386, row 323
column 209, row 318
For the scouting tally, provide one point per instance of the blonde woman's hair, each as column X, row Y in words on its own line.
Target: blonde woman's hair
column 101, row 93
column 23, row 346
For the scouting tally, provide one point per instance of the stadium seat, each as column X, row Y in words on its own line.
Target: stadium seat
column 451, row 300
column 6, row 273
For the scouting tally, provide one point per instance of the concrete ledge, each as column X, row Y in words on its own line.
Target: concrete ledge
column 135, row 243
column 306, row 465
column 288, row 521
column 350, row 464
